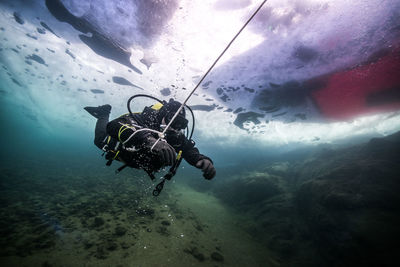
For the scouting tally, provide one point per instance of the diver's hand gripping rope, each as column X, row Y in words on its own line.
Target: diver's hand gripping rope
column 208, row 71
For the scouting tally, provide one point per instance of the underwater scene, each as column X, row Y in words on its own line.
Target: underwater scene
column 199, row 133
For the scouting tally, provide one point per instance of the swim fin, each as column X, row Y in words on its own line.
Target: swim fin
column 100, row 111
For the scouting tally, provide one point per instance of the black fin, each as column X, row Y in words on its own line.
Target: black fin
column 98, row 112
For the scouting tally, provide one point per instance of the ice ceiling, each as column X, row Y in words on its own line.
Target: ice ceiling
column 305, row 71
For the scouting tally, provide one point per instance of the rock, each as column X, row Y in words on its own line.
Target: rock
column 195, row 253
column 120, row 231
column 145, row 212
column 335, row 207
column 349, row 207
column 124, row 245
column 199, row 256
column 111, row 246
column 98, row 221
column 87, row 244
column 217, row 257
column 163, row 231
column 249, row 189
column 100, row 253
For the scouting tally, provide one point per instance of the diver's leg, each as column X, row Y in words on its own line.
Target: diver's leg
column 102, row 114
column 100, row 132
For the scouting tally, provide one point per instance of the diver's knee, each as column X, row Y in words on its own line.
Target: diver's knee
column 98, row 143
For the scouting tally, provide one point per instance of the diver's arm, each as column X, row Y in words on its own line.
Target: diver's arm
column 191, row 154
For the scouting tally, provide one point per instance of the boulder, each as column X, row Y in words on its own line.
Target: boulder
column 249, row 189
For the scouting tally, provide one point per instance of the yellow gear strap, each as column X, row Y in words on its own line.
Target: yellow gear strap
column 122, row 129
column 157, row 106
column 179, row 155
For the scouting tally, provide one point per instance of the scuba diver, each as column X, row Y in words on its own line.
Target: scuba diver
column 132, row 139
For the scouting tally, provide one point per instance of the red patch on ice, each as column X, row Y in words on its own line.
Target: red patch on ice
column 351, row 93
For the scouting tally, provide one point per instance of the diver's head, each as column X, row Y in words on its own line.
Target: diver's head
column 168, row 111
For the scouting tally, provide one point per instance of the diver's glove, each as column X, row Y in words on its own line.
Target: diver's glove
column 207, row 167
column 163, row 150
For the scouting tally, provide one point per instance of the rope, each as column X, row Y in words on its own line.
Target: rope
column 208, row 71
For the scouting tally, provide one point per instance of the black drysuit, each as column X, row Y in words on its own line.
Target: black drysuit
column 136, row 152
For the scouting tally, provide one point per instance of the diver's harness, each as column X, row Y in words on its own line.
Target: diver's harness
column 112, row 151
column 161, row 135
